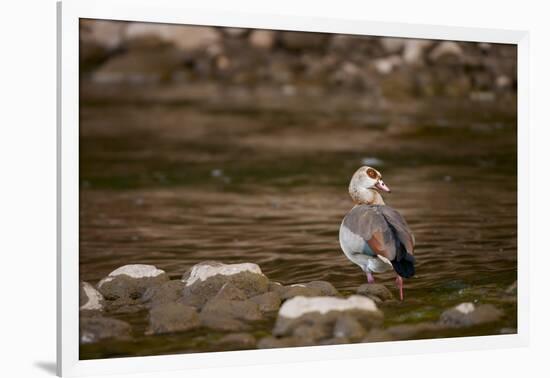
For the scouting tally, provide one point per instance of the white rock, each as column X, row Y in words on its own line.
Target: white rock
column 298, row 306
column 465, row 308
column 94, row 298
column 202, row 272
column 134, row 271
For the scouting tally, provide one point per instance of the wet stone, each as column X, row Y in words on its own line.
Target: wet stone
column 172, row 317
column 130, row 282
column 203, row 281
column 324, row 288
column 228, row 315
column 267, row 302
column 376, row 292
column 270, row 342
column 348, row 327
column 325, row 311
column 467, row 314
column 230, row 292
column 167, row 292
column 313, row 332
column 90, row 298
column 299, row 290
column 97, row 328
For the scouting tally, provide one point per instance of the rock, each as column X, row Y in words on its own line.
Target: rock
column 172, row 317
column 238, row 341
column 325, row 311
column 267, row 302
column 262, row 39
column 99, row 39
column 235, row 32
column 228, row 315
column 409, row 331
column 467, row 314
column 348, row 327
column 392, row 45
column 312, row 333
column 129, row 282
column 94, row 329
column 413, row 52
column 446, row 49
column 324, row 288
column 229, row 292
column 303, row 40
column 140, row 67
column 203, row 281
column 276, row 287
column 167, row 292
column 376, row 292
column 90, row 298
column 386, row 65
column 296, row 290
column 182, row 36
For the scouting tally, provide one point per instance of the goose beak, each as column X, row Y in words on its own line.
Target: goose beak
column 381, row 186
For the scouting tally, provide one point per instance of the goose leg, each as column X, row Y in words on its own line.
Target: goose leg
column 399, row 283
column 370, row 277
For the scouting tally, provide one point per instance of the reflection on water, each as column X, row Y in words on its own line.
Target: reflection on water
column 173, row 184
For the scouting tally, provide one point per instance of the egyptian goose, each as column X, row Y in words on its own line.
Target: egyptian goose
column 373, row 235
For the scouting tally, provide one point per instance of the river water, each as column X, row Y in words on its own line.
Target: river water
column 172, row 180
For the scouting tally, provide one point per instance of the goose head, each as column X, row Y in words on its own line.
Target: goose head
column 365, row 186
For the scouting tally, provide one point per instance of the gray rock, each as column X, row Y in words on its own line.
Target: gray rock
column 467, row 314
column 203, row 281
column 172, row 317
column 325, row 288
column 230, row 292
column 267, row 302
column 392, row 45
column 324, row 312
column 296, row 290
column 276, row 287
column 167, row 292
column 97, row 328
column 348, row 327
column 130, row 282
column 238, row 341
column 228, row 315
column 90, row 298
column 413, row 52
column 377, row 292
column 312, row 332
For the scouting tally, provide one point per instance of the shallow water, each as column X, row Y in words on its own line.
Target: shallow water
column 173, row 182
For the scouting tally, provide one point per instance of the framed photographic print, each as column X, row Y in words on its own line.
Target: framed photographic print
column 264, row 188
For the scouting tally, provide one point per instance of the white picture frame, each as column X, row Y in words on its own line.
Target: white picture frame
column 170, row 11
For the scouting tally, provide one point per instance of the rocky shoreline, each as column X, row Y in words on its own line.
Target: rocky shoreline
column 232, row 299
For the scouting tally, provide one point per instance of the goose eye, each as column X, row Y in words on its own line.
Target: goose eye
column 371, row 173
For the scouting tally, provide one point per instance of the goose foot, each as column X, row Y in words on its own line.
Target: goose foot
column 370, row 277
column 399, row 283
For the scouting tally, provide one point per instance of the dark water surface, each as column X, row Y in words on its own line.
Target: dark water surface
column 172, row 182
